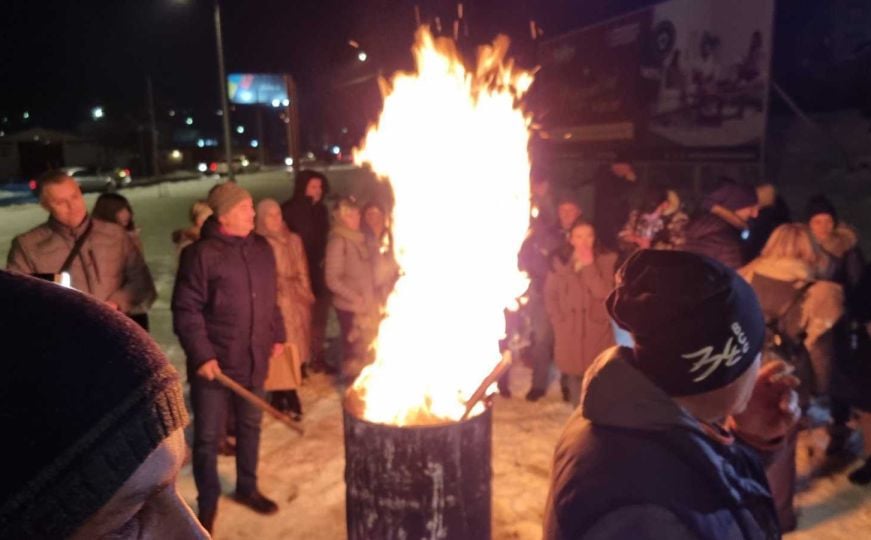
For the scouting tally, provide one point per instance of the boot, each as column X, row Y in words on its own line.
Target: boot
column 256, row 501
column 838, row 436
column 293, row 404
column 862, row 475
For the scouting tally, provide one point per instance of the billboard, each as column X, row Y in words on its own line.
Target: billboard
column 683, row 80
column 257, row 89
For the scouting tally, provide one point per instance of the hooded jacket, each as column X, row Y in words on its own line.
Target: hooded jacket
column 632, row 464
column 711, row 235
column 311, row 221
column 224, row 304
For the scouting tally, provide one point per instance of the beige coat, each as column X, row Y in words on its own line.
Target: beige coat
column 575, row 303
column 109, row 266
column 295, row 299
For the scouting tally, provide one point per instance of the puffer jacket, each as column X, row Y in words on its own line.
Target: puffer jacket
column 349, row 271
column 109, row 266
column 224, row 304
column 845, row 261
column 711, row 235
column 632, row 464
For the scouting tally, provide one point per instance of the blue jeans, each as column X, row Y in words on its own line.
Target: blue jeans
column 210, row 403
column 541, row 349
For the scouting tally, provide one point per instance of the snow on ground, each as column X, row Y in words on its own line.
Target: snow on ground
column 305, row 474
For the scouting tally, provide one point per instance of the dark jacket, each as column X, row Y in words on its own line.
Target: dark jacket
column 537, row 251
column 109, row 267
column 611, row 206
column 710, row 235
column 311, row 221
column 224, row 304
column 631, row 464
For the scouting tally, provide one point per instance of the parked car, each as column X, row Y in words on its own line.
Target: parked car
column 240, row 165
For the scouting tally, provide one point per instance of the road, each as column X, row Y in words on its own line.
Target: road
column 312, row 466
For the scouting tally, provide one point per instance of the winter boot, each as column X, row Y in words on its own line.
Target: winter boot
column 862, row 475
column 293, row 406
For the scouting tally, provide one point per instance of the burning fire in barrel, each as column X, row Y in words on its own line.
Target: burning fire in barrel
column 454, row 146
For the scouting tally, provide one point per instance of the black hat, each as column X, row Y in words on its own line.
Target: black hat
column 85, row 397
column 732, row 196
column 697, row 325
column 820, row 204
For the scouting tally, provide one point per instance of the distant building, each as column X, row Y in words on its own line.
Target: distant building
column 28, row 153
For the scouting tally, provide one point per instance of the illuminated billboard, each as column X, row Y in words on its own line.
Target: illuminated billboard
column 257, row 89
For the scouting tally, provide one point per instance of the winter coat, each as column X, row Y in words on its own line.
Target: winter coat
column 537, row 251
column 295, row 299
column 667, row 231
column 224, row 304
column 349, row 271
column 311, row 221
column 778, row 282
column 611, row 206
column 385, row 269
column 631, row 463
column 845, row 264
column 109, row 267
column 713, row 236
column 575, row 303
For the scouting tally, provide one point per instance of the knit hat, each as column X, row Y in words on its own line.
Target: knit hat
column 223, row 197
column 732, row 196
column 697, row 325
column 820, row 204
column 85, row 397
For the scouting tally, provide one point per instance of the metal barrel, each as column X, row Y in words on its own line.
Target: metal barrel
column 418, row 482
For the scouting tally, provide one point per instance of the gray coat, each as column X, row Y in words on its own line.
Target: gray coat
column 349, row 271
column 109, row 266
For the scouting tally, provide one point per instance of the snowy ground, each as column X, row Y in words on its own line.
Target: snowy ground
column 305, row 474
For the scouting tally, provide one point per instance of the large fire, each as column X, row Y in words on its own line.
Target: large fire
column 453, row 145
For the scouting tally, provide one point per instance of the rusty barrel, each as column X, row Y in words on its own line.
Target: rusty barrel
column 418, row 482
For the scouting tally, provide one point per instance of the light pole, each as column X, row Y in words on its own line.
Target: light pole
column 225, row 105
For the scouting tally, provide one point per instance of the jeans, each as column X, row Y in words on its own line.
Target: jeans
column 211, row 402
column 541, row 348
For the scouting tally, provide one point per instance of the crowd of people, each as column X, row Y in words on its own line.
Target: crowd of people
column 731, row 314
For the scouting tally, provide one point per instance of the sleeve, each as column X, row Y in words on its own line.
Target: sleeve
column 639, row 522
column 137, row 292
column 335, row 264
column 552, row 298
column 599, row 276
column 302, row 287
column 189, row 298
column 17, row 259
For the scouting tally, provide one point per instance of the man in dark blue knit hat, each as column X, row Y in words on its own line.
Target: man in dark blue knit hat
column 665, row 441
column 93, row 417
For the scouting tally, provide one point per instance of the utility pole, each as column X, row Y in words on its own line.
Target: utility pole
column 152, row 127
column 292, row 122
column 225, row 105
column 261, row 138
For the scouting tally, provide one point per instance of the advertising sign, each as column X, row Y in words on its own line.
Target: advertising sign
column 257, row 89
column 683, row 80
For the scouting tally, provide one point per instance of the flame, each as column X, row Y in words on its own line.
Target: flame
column 454, row 147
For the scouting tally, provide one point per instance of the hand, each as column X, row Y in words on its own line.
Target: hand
column 209, row 370
column 643, row 242
column 773, row 408
column 277, row 348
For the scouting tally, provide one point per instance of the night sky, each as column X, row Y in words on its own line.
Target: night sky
column 60, row 58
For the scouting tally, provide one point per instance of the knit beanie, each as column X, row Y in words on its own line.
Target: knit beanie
column 85, row 397
column 732, row 196
column 223, row 197
column 820, row 204
column 697, row 325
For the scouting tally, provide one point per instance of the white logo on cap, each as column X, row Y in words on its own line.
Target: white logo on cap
column 734, row 349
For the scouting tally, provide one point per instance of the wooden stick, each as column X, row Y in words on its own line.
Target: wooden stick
column 258, row 402
column 494, row 375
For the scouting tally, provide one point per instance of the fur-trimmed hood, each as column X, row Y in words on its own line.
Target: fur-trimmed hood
column 843, row 239
column 824, row 304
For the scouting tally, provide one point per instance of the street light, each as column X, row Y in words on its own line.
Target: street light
column 362, row 56
column 189, row 121
column 240, row 129
column 97, row 113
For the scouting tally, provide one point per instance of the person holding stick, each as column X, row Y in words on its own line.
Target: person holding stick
column 227, row 319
